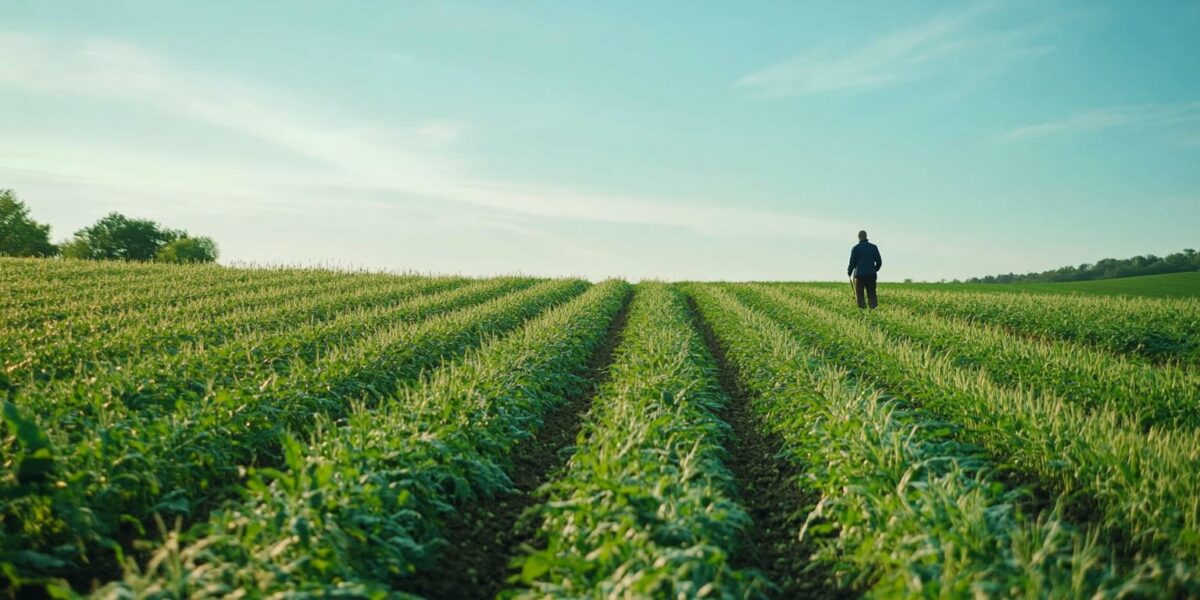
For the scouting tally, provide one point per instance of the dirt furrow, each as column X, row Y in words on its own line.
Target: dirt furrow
column 768, row 490
column 485, row 536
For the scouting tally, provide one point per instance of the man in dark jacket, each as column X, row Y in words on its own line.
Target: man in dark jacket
column 865, row 262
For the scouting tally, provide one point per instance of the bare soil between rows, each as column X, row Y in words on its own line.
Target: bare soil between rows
column 485, row 536
column 769, row 491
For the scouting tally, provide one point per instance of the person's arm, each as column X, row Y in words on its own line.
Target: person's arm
column 878, row 259
column 850, row 269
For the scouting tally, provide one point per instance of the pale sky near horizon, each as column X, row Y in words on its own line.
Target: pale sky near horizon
column 636, row 139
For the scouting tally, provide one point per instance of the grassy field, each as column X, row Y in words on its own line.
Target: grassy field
column 197, row 431
column 1171, row 285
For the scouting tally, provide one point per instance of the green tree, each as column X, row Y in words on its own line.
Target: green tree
column 19, row 234
column 188, row 250
column 117, row 237
column 1108, row 268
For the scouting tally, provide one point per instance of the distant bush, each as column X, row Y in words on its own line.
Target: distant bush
column 188, row 250
column 19, row 234
column 117, row 237
column 1109, row 268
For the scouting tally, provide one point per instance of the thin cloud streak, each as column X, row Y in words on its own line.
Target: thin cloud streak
column 415, row 163
column 896, row 58
column 1143, row 116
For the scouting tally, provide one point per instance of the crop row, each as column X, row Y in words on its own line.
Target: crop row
column 110, row 467
column 46, row 298
column 1154, row 395
column 22, row 269
column 163, row 380
column 90, row 276
column 1140, row 486
column 361, row 504
column 646, row 507
column 905, row 508
column 82, row 346
column 1161, row 330
column 35, row 306
column 81, row 317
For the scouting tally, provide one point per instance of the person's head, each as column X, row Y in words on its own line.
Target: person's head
column 862, row 236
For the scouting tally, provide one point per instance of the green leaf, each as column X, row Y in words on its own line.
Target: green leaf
column 31, row 437
column 294, row 453
column 173, row 503
column 39, row 561
column 534, row 566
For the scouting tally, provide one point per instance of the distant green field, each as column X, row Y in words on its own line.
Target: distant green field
column 1171, row 285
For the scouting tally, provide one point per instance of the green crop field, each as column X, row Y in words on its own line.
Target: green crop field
column 203, row 431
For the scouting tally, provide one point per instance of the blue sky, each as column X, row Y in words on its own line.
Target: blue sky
column 635, row 139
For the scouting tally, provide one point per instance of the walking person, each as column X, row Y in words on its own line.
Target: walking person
column 865, row 262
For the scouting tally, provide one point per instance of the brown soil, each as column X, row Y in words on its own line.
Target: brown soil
column 770, row 493
column 484, row 537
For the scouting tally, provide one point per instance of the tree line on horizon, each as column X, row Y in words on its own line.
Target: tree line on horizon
column 113, row 237
column 1109, row 268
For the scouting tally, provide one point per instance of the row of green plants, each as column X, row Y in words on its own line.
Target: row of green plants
column 81, row 308
column 1139, row 487
column 273, row 349
column 28, row 271
column 905, row 509
column 37, row 295
column 646, row 507
column 90, row 273
column 361, row 503
column 50, row 294
column 1162, row 395
column 121, row 451
column 43, row 290
column 85, row 344
column 1156, row 329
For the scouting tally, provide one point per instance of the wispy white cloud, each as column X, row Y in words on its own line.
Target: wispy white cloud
column 113, row 70
column 898, row 57
column 415, row 162
column 441, row 132
column 1182, row 117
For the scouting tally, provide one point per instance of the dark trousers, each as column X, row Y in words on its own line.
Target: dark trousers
column 865, row 284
